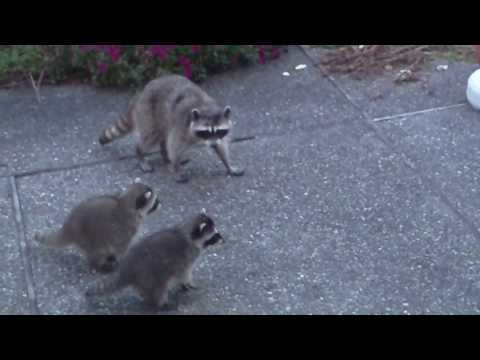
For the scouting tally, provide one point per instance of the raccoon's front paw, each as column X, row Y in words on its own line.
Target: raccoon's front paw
column 146, row 167
column 236, row 171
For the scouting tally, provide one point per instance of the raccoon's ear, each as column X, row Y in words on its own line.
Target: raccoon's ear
column 227, row 112
column 195, row 114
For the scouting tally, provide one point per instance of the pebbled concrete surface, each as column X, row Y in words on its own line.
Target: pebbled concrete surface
column 13, row 293
column 4, row 171
column 445, row 146
column 336, row 214
column 368, row 237
column 380, row 96
column 61, row 132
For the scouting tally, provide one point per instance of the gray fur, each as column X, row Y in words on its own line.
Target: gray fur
column 103, row 227
column 161, row 262
column 166, row 115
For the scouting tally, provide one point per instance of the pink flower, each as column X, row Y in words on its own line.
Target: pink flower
column 196, row 49
column 86, row 48
column 102, row 68
column 100, row 48
column 187, row 66
column 161, row 51
column 262, row 56
column 275, row 53
column 115, row 53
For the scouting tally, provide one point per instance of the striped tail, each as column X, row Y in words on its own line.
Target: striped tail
column 104, row 287
column 123, row 127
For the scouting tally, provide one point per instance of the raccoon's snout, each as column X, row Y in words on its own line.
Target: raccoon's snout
column 215, row 239
column 155, row 206
column 222, row 133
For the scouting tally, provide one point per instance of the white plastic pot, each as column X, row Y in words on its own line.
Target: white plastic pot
column 473, row 90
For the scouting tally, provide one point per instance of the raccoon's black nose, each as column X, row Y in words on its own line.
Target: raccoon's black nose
column 217, row 238
column 155, row 207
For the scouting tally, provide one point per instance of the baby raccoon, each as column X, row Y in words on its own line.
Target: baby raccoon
column 174, row 114
column 162, row 261
column 103, row 227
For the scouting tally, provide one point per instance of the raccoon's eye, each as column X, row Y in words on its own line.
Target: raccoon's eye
column 222, row 133
column 148, row 195
column 204, row 134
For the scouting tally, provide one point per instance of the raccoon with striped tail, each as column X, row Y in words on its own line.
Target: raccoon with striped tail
column 173, row 114
column 103, row 227
column 161, row 262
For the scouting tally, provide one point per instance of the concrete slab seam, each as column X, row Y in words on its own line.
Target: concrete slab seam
column 24, row 250
column 420, row 112
column 25, row 174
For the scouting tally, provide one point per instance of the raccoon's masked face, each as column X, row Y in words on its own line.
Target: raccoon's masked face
column 146, row 201
column 205, row 233
column 211, row 127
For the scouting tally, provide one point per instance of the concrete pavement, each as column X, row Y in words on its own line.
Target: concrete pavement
column 359, row 196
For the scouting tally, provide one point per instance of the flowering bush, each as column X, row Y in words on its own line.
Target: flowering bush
column 133, row 65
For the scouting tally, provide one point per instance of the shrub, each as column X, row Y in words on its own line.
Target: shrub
column 16, row 60
column 134, row 65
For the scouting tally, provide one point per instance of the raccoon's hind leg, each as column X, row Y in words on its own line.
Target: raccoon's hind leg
column 146, row 144
column 164, row 153
column 222, row 150
column 186, row 282
column 175, row 150
column 144, row 164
